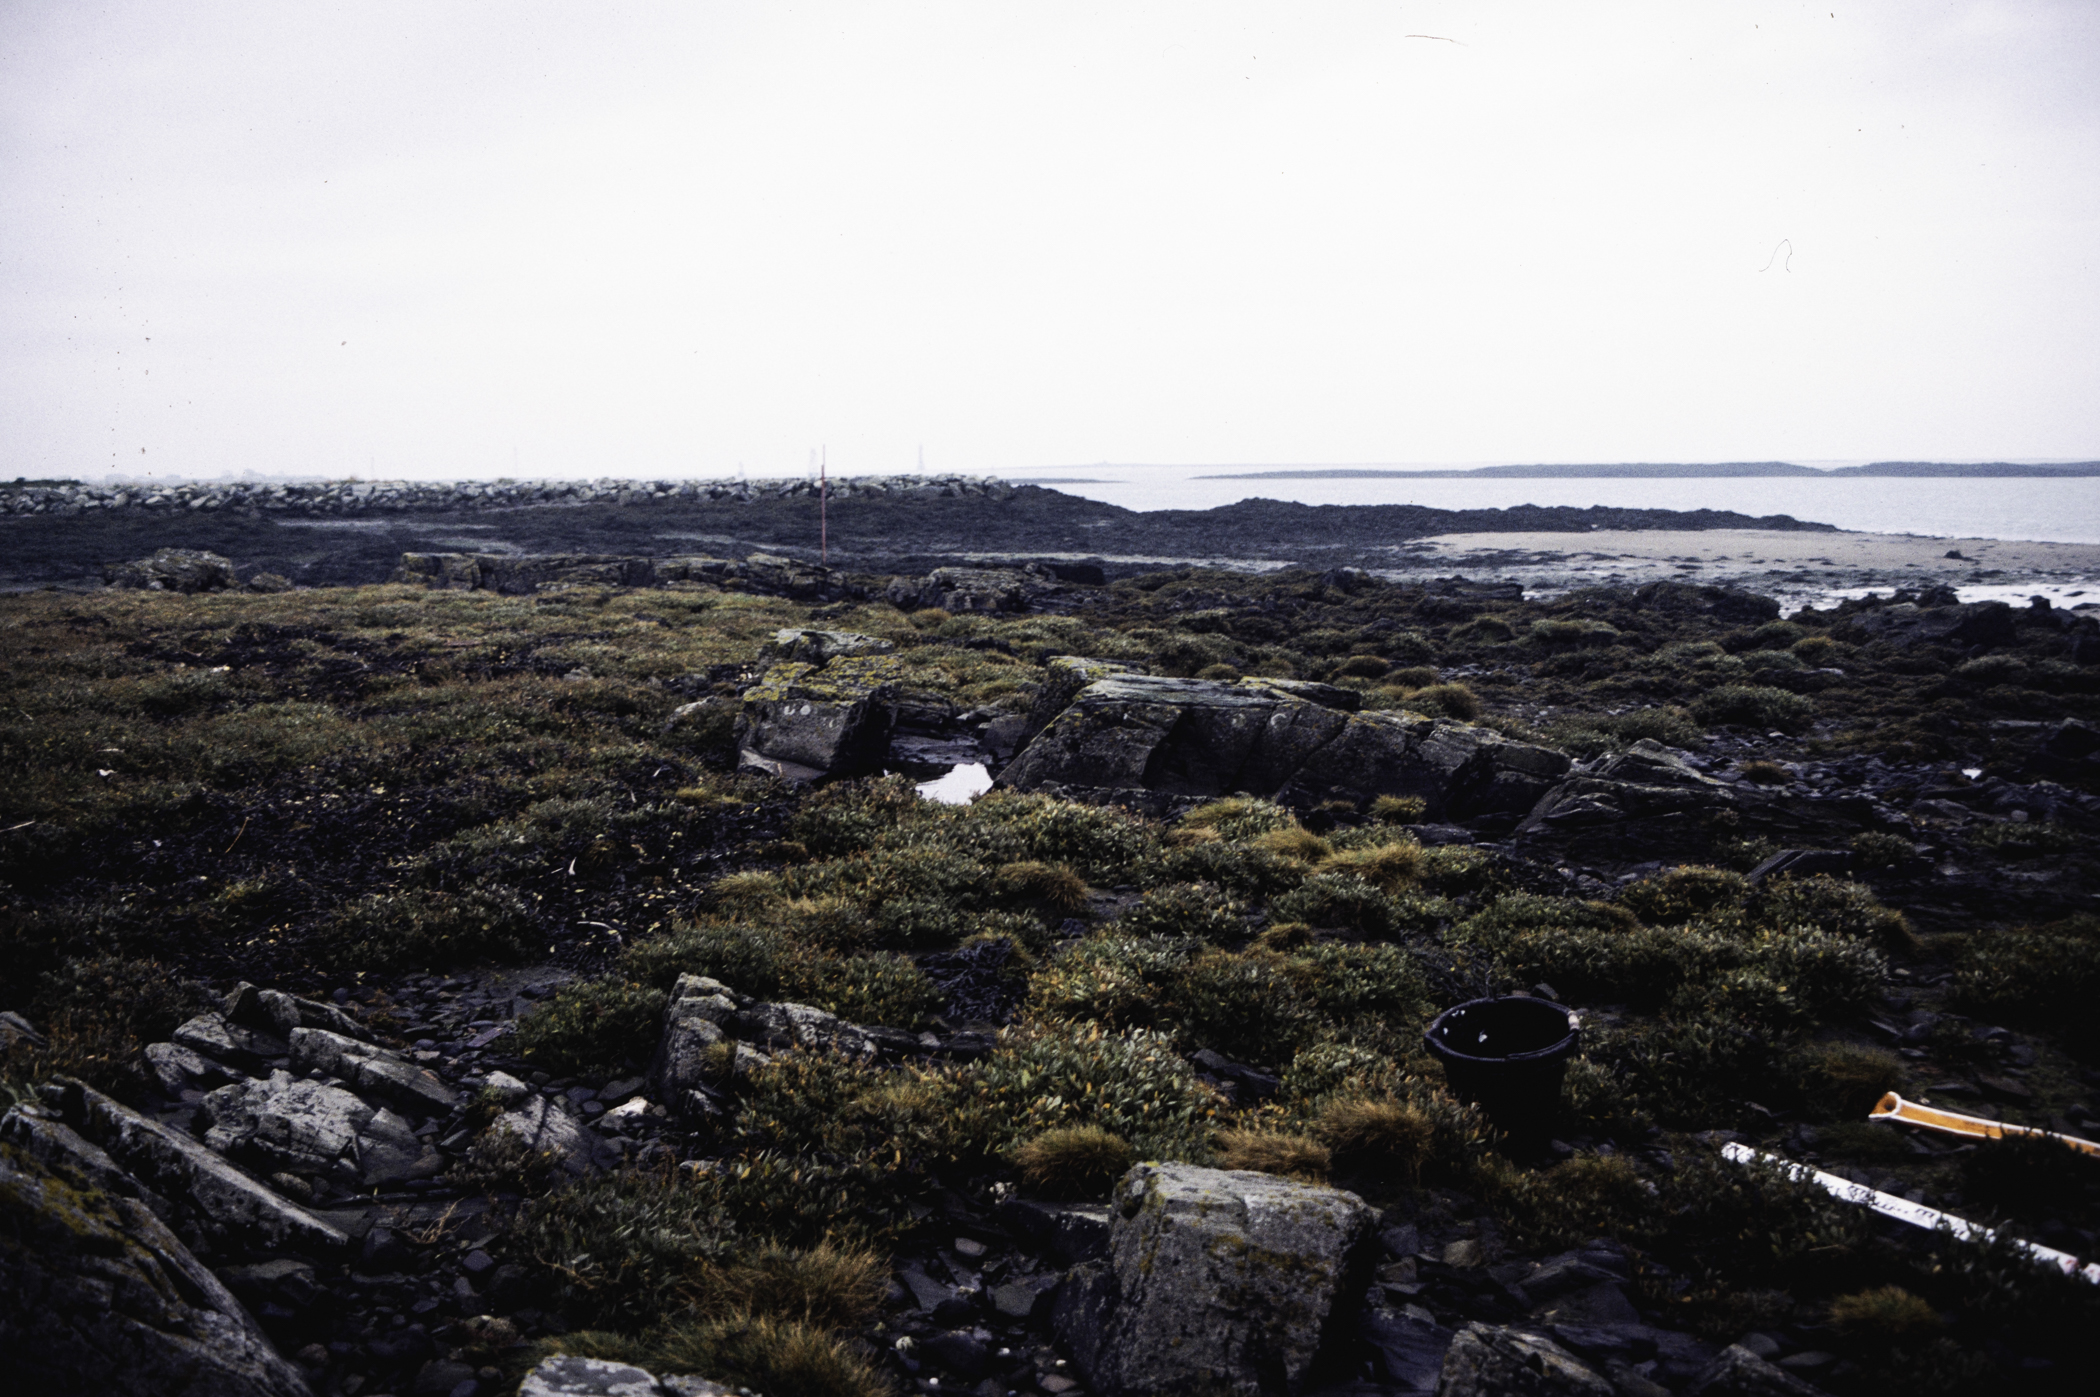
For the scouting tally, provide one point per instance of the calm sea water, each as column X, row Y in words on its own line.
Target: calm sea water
column 2060, row 511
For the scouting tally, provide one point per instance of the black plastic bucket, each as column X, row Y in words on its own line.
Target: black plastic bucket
column 1507, row 1055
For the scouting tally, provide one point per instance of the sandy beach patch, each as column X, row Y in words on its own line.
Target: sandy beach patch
column 1798, row 567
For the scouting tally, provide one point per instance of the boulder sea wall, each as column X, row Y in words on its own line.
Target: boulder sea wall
column 364, row 497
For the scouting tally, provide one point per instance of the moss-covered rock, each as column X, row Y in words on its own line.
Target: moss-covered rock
column 1216, row 1280
column 801, row 721
column 98, row 1296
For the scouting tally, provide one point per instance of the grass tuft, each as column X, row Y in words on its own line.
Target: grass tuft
column 1075, row 1162
column 1293, row 1156
column 1886, row 1312
column 1380, row 1133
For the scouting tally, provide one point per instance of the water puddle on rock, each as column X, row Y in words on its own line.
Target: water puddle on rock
column 961, row 785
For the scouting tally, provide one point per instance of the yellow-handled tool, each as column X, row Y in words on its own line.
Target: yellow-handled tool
column 1894, row 1108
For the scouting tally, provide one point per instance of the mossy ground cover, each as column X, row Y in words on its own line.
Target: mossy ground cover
column 338, row 788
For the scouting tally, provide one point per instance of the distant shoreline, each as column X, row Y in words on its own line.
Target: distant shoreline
column 1796, row 567
column 1724, row 470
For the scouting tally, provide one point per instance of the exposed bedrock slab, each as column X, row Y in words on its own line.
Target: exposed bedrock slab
column 310, row 1128
column 279, row 1013
column 1215, row 1280
column 179, row 1069
column 1200, row 738
column 206, row 1196
column 1737, row 1372
column 1489, row 1360
column 213, row 1035
column 777, row 1026
column 370, row 1068
column 800, row 721
column 98, row 1296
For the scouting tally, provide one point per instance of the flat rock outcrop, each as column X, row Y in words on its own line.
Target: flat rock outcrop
column 291, row 1125
column 545, row 1128
column 768, row 574
column 986, row 591
column 1215, row 1280
column 819, row 647
column 368, row 1068
column 98, row 1296
column 1120, row 731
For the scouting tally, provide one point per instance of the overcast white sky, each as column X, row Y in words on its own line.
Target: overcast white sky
column 467, row 239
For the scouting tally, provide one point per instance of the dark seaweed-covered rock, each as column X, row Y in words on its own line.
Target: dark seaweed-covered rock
column 978, row 590
column 521, row 575
column 1644, row 802
column 1907, row 624
column 1731, row 605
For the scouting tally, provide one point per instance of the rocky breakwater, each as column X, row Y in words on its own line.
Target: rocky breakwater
column 1104, row 732
column 356, row 497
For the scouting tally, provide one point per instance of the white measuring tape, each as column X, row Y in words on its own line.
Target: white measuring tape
column 1916, row 1214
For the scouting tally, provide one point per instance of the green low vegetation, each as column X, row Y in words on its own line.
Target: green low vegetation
column 343, row 788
